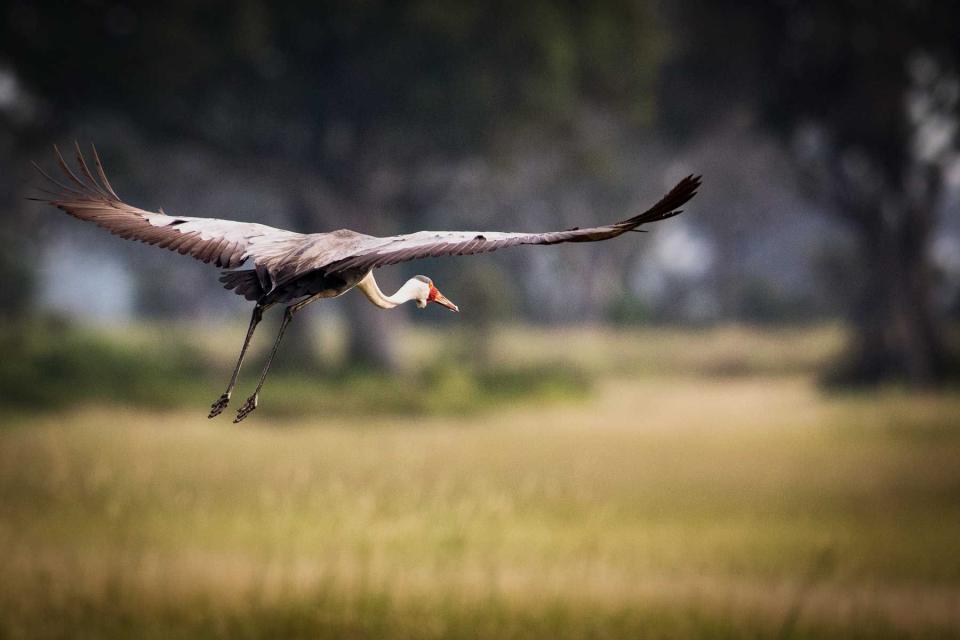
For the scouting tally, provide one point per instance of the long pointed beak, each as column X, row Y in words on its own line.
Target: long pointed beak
column 442, row 299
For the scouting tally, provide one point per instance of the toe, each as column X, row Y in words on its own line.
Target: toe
column 246, row 409
column 217, row 407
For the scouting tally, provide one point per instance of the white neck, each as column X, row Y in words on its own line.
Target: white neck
column 406, row 293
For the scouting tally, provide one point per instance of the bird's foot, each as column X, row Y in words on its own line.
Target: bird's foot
column 217, row 407
column 246, row 409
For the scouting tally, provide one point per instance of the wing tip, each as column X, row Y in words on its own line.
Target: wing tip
column 669, row 205
column 82, row 184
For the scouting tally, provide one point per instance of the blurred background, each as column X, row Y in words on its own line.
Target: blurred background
column 743, row 423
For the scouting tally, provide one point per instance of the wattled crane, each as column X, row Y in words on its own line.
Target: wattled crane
column 296, row 269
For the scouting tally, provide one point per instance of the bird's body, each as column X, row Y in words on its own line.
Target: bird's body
column 296, row 269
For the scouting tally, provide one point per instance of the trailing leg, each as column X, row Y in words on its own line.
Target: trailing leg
column 224, row 399
column 251, row 402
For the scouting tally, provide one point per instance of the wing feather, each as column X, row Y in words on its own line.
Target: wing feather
column 379, row 252
column 89, row 196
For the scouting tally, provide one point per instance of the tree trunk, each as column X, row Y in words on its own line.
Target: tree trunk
column 18, row 260
column 897, row 336
column 303, row 358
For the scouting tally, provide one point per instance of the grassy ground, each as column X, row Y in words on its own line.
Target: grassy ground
column 705, row 488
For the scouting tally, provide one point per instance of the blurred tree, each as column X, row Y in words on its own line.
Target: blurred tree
column 357, row 94
column 19, row 135
column 15, row 259
column 488, row 293
column 867, row 95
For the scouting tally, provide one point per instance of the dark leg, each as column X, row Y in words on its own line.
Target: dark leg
column 224, row 399
column 251, row 402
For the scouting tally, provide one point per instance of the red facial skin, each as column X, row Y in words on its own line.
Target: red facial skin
column 439, row 298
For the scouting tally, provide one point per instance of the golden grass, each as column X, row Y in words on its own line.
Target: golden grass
column 669, row 505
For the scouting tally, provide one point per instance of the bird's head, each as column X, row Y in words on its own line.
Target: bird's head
column 427, row 293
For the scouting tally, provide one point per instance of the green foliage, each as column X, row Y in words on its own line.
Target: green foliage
column 488, row 291
column 441, row 388
column 19, row 279
column 51, row 365
column 764, row 303
column 444, row 74
column 627, row 310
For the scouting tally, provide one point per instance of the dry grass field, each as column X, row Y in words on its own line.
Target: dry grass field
column 705, row 487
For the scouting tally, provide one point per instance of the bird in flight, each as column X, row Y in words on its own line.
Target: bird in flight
column 271, row 266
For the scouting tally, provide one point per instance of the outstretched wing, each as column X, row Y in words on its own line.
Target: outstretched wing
column 281, row 256
column 378, row 252
column 225, row 243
